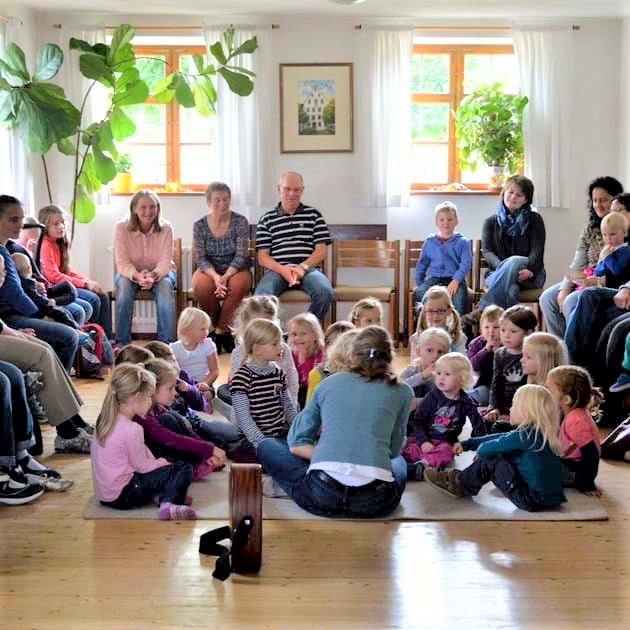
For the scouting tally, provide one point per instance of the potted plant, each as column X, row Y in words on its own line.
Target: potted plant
column 489, row 126
column 123, row 182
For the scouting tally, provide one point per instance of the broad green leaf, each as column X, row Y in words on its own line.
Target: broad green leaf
column 82, row 207
column 184, row 94
column 100, row 49
column 241, row 70
column 217, row 51
column 49, row 60
column 136, row 92
column 122, row 36
column 87, row 177
column 66, row 146
column 246, row 47
column 228, row 36
column 164, row 91
column 198, row 59
column 79, row 44
column 164, row 97
column 55, row 90
column 14, row 58
column 88, row 133
column 163, row 84
column 105, row 166
column 128, row 76
column 6, row 106
column 239, row 83
column 122, row 125
column 208, row 87
column 104, row 139
column 125, row 58
column 209, row 69
column 201, row 100
column 92, row 66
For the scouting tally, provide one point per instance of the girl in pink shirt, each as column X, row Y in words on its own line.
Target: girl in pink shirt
column 124, row 472
column 55, row 265
column 306, row 339
column 573, row 390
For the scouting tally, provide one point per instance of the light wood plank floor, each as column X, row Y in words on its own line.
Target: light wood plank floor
column 58, row 571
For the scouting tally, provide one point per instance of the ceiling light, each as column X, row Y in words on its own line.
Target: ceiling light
column 347, row 1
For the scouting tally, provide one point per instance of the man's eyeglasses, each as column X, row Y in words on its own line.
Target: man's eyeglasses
column 287, row 190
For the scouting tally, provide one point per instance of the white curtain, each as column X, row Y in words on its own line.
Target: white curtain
column 15, row 174
column 383, row 121
column 544, row 53
column 243, row 143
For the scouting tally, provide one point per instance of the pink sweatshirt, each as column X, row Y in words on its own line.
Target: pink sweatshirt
column 123, row 454
column 135, row 251
column 50, row 262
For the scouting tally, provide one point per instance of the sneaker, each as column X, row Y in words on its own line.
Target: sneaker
column 88, row 428
column 10, row 494
column 271, row 489
column 621, row 384
column 37, row 475
column 445, row 480
column 78, row 444
column 415, row 471
column 15, row 475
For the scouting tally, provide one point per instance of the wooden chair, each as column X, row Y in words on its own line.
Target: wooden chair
column 147, row 296
column 369, row 255
column 530, row 297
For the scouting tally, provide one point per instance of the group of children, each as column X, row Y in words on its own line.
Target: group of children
column 153, row 436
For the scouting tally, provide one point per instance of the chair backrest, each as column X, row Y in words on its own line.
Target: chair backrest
column 479, row 263
column 367, row 254
column 412, row 254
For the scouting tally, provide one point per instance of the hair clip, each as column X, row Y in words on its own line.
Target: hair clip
column 371, row 353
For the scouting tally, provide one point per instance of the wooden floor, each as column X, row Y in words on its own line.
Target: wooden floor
column 60, row 571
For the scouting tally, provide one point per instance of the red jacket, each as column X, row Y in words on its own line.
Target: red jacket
column 50, row 262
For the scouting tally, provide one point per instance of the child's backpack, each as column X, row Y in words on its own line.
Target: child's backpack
column 89, row 361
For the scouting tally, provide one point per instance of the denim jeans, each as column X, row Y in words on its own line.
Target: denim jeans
column 63, row 339
column 77, row 312
column 99, row 303
column 594, row 309
column 460, row 299
column 222, row 434
column 165, row 306
column 314, row 282
column 556, row 320
column 167, row 484
column 327, row 497
column 502, row 287
column 16, row 422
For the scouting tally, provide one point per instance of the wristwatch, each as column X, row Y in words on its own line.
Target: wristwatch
column 304, row 266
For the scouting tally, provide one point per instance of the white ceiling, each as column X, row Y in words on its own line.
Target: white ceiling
column 370, row 8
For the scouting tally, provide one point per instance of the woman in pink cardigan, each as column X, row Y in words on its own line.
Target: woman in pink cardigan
column 55, row 265
column 143, row 251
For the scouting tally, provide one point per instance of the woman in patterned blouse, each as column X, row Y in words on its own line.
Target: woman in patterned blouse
column 222, row 277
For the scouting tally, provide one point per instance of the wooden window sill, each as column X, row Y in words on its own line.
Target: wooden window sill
column 191, row 193
column 453, row 192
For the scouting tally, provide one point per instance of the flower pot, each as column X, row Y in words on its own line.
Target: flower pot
column 123, row 183
column 498, row 175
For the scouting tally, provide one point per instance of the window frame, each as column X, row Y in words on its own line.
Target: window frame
column 453, row 98
column 172, row 54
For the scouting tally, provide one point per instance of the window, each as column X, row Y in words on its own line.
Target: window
column 172, row 143
column 441, row 76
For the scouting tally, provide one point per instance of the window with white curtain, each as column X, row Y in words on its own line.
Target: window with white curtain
column 5, row 156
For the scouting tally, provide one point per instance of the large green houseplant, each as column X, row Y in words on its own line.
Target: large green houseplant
column 42, row 115
column 489, row 126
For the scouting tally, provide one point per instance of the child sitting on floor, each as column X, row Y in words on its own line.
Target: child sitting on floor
column 524, row 463
column 124, row 472
column 366, row 312
column 441, row 416
column 306, row 339
column 541, row 353
column 572, row 388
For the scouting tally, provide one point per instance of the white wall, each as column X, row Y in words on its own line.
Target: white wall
column 596, row 144
column 624, row 110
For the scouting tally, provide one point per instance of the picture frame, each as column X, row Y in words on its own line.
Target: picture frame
column 316, row 108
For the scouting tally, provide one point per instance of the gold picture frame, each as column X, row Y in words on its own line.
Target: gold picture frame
column 316, row 103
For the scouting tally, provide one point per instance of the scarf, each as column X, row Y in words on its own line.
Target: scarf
column 513, row 224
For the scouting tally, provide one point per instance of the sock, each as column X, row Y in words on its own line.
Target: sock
column 21, row 453
column 67, row 429
column 30, row 463
column 78, row 421
column 172, row 512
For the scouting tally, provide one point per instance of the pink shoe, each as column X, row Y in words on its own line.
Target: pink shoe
column 174, row 512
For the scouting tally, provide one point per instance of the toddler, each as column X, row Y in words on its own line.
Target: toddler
column 573, row 390
column 445, row 259
column 613, row 265
column 524, row 463
column 366, row 312
column 541, row 353
column 124, row 472
column 133, row 354
column 437, row 310
column 516, row 323
column 306, row 340
column 262, row 405
column 441, row 416
column 621, row 203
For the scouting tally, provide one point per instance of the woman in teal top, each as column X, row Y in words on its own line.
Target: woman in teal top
column 342, row 455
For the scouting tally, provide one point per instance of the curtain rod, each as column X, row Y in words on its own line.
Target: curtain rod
column 274, row 27
column 358, row 27
column 4, row 19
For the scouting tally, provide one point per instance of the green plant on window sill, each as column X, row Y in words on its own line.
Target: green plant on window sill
column 42, row 115
column 123, row 163
column 489, row 126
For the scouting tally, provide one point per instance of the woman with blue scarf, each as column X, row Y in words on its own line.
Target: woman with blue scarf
column 513, row 245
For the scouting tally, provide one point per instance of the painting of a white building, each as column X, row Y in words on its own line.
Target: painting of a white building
column 314, row 97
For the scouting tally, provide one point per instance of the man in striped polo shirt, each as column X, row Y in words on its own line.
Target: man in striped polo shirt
column 291, row 243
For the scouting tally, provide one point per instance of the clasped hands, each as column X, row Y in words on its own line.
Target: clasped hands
column 145, row 279
column 292, row 275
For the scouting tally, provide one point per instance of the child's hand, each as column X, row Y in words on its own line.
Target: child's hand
column 202, row 386
column 52, row 302
column 427, row 372
column 492, row 415
column 218, row 458
column 182, row 386
column 457, row 448
column 426, row 447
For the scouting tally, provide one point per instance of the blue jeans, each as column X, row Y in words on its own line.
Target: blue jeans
column 503, row 287
column 594, row 309
column 327, row 497
column 165, row 307
column 16, row 422
column 77, row 311
column 314, row 282
column 63, row 339
column 556, row 320
column 99, row 303
column 460, row 299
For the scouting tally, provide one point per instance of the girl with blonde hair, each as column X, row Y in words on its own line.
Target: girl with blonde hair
column 366, row 312
column 524, row 463
column 125, row 473
column 306, row 340
column 541, row 353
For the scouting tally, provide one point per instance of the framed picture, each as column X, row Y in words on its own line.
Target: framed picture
column 316, row 107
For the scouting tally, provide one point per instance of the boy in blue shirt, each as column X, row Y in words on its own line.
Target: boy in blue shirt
column 445, row 259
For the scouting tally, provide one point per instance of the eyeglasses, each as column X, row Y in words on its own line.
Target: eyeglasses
column 287, row 190
column 436, row 311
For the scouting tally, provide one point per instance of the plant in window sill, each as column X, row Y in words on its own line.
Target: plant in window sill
column 489, row 126
column 42, row 115
column 123, row 182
